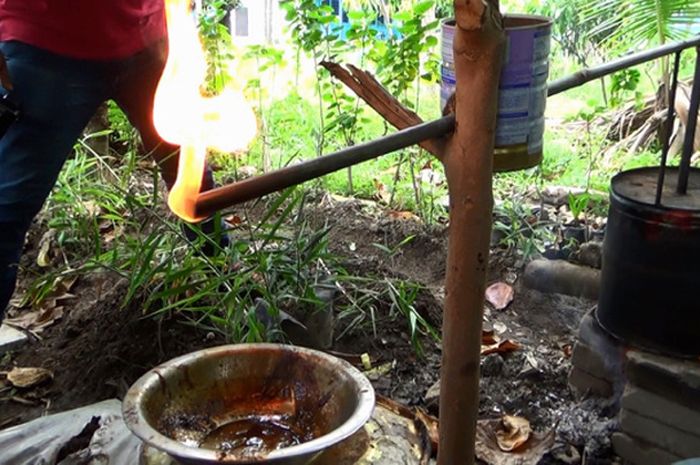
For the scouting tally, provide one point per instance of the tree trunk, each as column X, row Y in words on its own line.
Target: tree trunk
column 479, row 46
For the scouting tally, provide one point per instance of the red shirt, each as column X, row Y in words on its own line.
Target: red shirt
column 89, row 29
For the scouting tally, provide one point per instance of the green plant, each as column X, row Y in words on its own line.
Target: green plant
column 624, row 82
column 621, row 25
column 578, row 204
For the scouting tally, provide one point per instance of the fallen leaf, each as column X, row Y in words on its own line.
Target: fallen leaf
column 395, row 407
column 568, row 350
column 381, row 370
column 28, row 377
column 432, row 426
column 514, row 433
column 403, row 215
column 500, row 347
column 42, row 258
column 488, row 338
column 92, row 208
column 37, row 320
column 113, row 233
column 234, row 220
column 366, row 361
column 500, row 295
column 529, row 453
column 532, row 361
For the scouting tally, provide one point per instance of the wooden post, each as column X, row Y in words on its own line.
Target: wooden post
column 479, row 50
column 479, row 46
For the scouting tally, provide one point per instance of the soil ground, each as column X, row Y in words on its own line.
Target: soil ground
column 101, row 347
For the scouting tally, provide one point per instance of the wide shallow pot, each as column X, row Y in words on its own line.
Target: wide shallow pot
column 650, row 285
column 306, row 400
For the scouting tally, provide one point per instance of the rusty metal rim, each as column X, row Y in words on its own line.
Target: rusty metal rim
column 136, row 421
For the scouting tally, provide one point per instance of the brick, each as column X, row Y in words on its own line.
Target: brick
column 11, row 339
column 677, row 442
column 609, row 350
column 584, row 384
column 639, row 452
column 675, row 379
column 587, row 359
column 661, row 409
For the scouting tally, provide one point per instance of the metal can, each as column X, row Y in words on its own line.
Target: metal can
column 523, row 89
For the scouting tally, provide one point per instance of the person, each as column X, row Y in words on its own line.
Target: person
column 58, row 63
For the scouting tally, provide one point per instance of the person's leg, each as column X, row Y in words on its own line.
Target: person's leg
column 57, row 97
column 137, row 79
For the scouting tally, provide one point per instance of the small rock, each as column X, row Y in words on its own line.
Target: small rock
column 591, row 254
column 566, row 453
column 432, row 397
column 492, row 365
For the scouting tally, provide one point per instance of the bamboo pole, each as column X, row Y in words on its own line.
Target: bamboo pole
column 479, row 46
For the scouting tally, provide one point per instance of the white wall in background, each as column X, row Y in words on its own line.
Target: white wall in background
column 257, row 22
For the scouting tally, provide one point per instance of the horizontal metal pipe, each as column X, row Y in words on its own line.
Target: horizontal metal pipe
column 219, row 198
column 586, row 75
column 243, row 191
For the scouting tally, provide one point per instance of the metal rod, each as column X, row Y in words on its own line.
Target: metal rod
column 689, row 143
column 669, row 128
column 586, row 75
column 216, row 199
column 242, row 191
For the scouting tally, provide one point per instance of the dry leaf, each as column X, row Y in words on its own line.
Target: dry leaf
column 234, row 220
column 514, row 433
column 500, row 347
column 113, row 233
column 432, row 426
column 395, row 407
column 529, row 453
column 500, row 295
column 92, row 208
column 379, row 371
column 37, row 320
column 49, row 310
column 402, row 215
column 42, row 258
column 488, row 338
column 28, row 377
column 568, row 350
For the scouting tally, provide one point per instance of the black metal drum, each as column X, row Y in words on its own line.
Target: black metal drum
column 650, row 289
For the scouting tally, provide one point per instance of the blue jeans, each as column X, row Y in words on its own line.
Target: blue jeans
column 57, row 96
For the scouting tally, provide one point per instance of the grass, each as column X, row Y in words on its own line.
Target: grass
column 104, row 215
column 106, row 212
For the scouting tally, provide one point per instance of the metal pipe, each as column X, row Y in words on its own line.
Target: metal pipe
column 219, row 198
column 689, row 143
column 216, row 199
column 586, row 75
column 669, row 129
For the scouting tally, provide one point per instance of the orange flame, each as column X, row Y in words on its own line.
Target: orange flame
column 183, row 116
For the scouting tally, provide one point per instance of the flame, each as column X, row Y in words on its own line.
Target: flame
column 185, row 117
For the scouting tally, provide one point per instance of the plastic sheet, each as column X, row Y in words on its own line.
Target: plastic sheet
column 40, row 441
